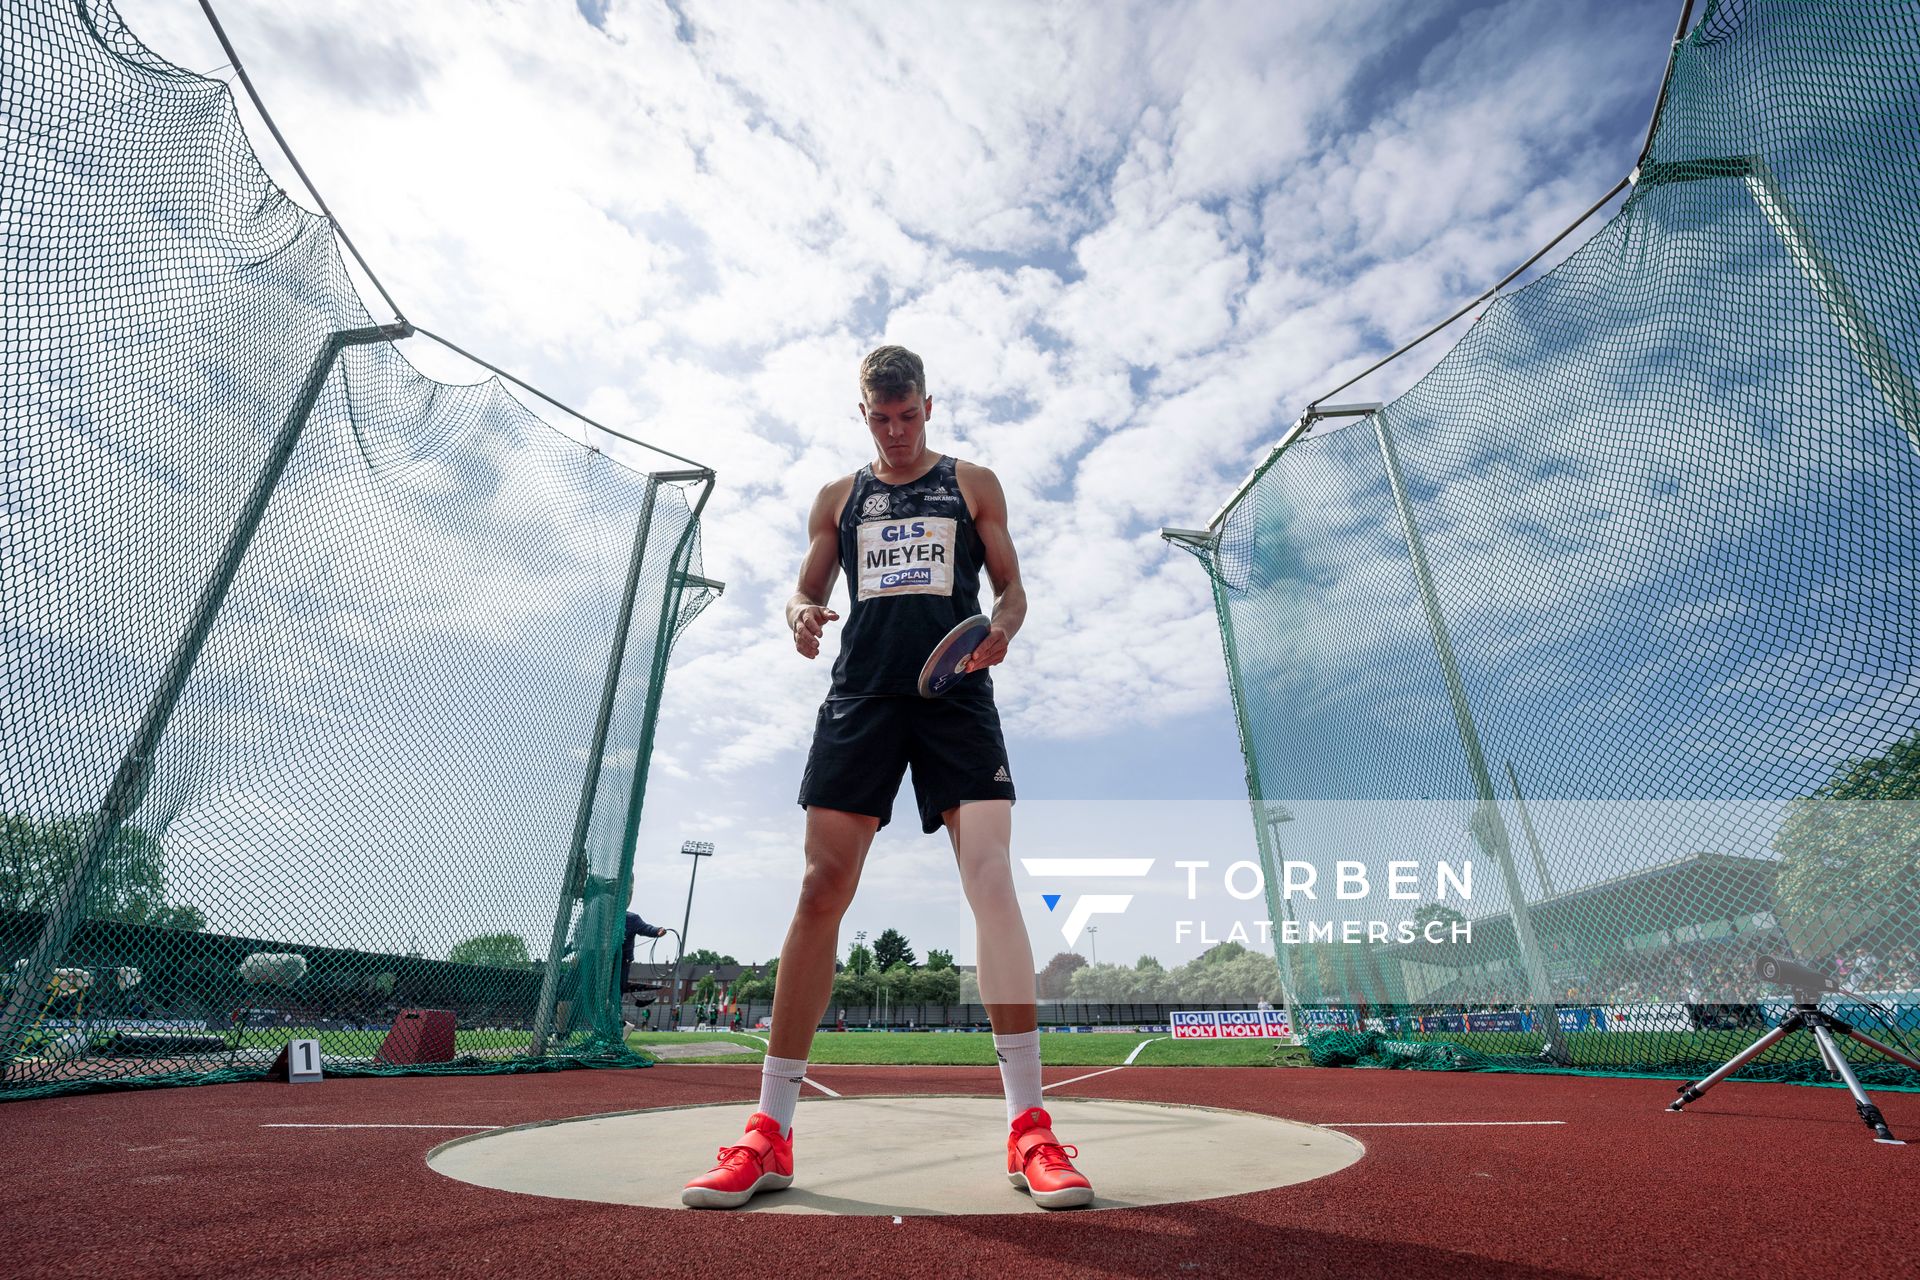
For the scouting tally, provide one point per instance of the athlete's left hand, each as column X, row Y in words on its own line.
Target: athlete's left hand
column 991, row 652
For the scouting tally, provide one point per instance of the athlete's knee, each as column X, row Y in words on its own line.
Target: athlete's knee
column 988, row 885
column 826, row 891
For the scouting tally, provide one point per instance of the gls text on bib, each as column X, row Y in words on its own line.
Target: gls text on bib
column 910, row 557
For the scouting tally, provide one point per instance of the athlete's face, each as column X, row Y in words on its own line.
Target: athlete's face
column 899, row 428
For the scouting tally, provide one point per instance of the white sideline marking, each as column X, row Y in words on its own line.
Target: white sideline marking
column 379, row 1126
column 1077, row 1079
column 1137, row 1048
column 804, row 1079
column 1426, row 1124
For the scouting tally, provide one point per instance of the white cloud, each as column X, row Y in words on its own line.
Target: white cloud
column 1131, row 241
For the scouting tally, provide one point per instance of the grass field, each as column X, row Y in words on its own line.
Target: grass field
column 1594, row 1050
column 858, row 1048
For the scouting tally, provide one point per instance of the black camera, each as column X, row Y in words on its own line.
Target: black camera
column 1791, row 973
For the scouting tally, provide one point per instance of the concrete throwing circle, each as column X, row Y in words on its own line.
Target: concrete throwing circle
column 904, row 1155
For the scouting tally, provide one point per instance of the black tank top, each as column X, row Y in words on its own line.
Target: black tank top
column 912, row 557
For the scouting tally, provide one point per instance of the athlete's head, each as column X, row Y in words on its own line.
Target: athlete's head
column 894, row 403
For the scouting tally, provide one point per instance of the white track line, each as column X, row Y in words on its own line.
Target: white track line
column 1137, row 1048
column 379, row 1126
column 1077, row 1079
column 1426, row 1124
column 804, row 1079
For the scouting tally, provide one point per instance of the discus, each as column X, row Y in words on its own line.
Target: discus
column 947, row 663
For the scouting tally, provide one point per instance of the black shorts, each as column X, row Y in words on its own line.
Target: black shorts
column 861, row 747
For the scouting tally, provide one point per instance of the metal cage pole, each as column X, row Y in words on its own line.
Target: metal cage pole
column 576, row 879
column 1278, row 906
column 676, row 585
column 1205, row 545
column 573, row 874
column 135, row 772
column 1488, row 826
column 1533, row 837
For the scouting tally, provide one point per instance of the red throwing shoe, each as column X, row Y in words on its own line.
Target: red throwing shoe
column 1037, row 1163
column 761, row 1161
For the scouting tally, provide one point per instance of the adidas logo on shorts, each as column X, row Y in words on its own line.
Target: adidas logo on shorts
column 1003, row 775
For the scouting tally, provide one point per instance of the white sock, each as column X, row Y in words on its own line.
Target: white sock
column 1019, row 1071
column 780, row 1089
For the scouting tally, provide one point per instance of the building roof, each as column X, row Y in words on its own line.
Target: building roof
column 1698, row 889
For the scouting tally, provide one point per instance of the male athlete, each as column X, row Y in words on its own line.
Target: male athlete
column 912, row 531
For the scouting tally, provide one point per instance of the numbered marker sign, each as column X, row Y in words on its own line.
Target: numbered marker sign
column 303, row 1061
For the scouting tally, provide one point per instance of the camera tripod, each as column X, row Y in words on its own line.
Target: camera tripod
column 1806, row 1016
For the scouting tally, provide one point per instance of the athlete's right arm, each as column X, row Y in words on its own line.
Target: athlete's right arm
column 807, row 612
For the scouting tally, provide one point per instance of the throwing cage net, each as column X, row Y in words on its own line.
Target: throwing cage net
column 1617, row 603
column 329, row 689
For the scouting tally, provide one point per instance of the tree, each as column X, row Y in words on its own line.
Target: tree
column 182, row 916
column 1227, row 974
column 755, row 988
column 1850, row 852
column 36, row 857
column 495, row 950
column 859, row 960
column 891, row 948
column 705, row 956
column 935, row 985
column 1109, row 982
column 704, row 990
column 853, row 988
column 897, row 982
column 1054, row 978
column 1222, row 952
column 937, row 959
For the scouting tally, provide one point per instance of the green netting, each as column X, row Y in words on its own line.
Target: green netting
column 329, row 689
column 1618, row 602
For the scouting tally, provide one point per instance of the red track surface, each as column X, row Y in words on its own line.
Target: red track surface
column 1754, row 1177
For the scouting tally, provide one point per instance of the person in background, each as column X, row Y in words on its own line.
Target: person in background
column 636, row 929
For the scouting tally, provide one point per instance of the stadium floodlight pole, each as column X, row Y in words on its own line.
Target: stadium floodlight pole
column 574, row 869
column 1093, row 943
column 860, row 940
column 695, row 849
column 135, row 772
column 1488, row 827
column 1882, row 367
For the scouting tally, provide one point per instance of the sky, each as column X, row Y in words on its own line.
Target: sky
column 1131, row 242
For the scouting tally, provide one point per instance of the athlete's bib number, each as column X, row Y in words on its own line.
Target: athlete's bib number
column 911, row 557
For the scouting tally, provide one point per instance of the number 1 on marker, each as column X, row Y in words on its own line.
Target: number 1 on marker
column 303, row 1061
